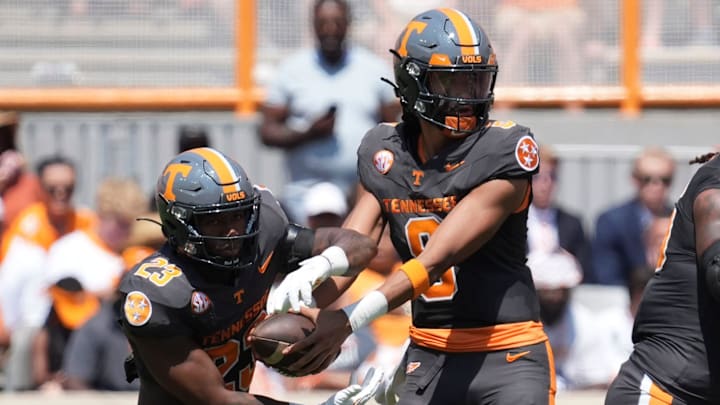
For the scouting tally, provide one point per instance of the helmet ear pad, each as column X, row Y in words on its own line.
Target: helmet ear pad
column 408, row 86
column 174, row 230
column 168, row 225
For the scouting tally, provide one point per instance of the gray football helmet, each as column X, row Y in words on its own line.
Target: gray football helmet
column 200, row 182
column 445, row 71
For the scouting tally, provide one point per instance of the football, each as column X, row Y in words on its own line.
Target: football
column 275, row 333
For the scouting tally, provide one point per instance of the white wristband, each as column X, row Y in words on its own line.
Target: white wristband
column 339, row 264
column 366, row 310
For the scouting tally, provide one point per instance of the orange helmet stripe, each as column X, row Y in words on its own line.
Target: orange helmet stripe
column 465, row 31
column 225, row 172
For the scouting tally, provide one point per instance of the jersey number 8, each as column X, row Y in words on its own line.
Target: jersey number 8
column 417, row 234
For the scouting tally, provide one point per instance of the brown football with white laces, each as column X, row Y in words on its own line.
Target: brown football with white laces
column 275, row 333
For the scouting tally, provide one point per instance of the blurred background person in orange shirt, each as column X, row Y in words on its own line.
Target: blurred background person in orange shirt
column 24, row 248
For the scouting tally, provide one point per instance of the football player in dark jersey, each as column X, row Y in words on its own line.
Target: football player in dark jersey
column 454, row 188
column 187, row 308
column 676, row 335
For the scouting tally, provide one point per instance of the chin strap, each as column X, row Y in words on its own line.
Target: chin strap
column 465, row 124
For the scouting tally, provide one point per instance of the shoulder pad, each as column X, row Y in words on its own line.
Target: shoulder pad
column 273, row 223
column 506, row 150
column 161, row 281
column 705, row 178
column 270, row 203
column 378, row 149
column 710, row 264
column 377, row 137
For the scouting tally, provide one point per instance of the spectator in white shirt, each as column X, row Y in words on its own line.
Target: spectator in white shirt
column 577, row 339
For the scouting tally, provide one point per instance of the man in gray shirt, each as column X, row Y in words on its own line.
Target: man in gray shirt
column 321, row 103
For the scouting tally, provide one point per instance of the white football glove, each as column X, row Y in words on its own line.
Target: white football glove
column 358, row 394
column 387, row 391
column 297, row 286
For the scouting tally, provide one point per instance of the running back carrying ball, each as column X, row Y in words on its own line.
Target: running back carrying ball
column 274, row 334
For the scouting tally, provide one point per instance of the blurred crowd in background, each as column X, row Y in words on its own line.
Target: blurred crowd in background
column 191, row 42
column 59, row 263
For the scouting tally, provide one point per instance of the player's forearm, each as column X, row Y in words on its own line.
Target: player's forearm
column 706, row 215
column 397, row 289
column 359, row 249
column 471, row 224
column 330, row 290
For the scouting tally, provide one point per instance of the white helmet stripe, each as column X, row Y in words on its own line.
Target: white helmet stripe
column 465, row 30
column 227, row 176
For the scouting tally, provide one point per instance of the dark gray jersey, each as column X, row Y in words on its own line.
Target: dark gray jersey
column 677, row 326
column 169, row 294
column 493, row 285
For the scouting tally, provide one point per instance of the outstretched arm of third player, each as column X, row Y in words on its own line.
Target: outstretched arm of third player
column 706, row 213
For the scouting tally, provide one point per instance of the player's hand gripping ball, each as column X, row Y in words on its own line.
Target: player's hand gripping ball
column 276, row 332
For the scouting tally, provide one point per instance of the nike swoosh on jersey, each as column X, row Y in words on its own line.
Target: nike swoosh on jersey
column 264, row 266
column 511, row 357
column 450, row 167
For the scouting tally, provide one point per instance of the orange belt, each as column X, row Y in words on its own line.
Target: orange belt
column 485, row 339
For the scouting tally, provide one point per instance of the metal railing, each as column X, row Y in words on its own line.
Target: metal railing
column 629, row 93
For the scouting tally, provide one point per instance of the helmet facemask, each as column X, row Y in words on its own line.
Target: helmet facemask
column 210, row 210
column 456, row 98
column 225, row 249
column 445, row 71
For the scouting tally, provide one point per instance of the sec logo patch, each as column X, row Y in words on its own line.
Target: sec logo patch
column 526, row 153
column 200, row 302
column 137, row 308
column 383, row 160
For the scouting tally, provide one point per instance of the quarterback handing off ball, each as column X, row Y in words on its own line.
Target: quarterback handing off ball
column 272, row 335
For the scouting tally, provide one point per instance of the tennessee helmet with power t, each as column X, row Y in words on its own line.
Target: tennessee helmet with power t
column 445, row 71
column 203, row 182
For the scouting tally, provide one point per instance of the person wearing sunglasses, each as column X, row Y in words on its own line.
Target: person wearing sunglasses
column 618, row 246
column 676, row 333
column 25, row 243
